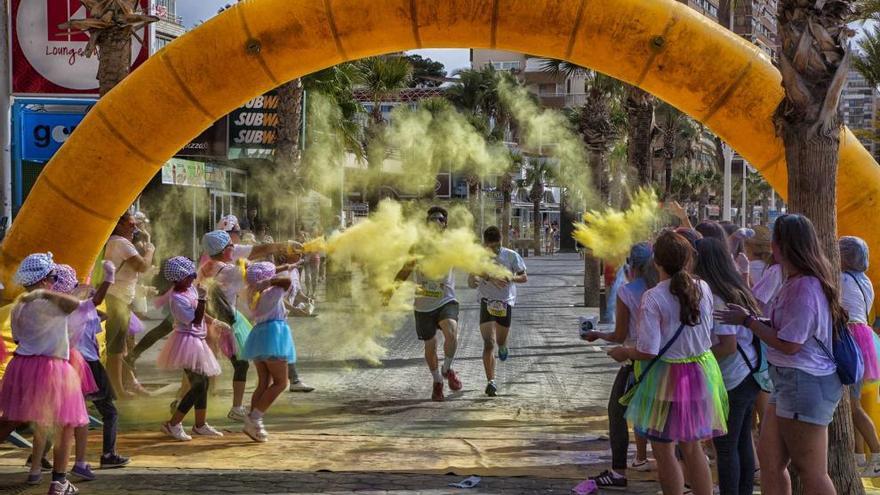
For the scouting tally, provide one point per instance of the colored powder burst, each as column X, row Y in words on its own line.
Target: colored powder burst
column 316, row 245
column 611, row 233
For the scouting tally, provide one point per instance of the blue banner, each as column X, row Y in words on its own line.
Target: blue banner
column 42, row 133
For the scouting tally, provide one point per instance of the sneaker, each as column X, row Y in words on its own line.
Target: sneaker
column 454, row 382
column 491, row 389
column 437, row 393
column 84, row 473
column 176, row 432
column 173, row 406
column 641, row 465
column 300, row 387
column 871, row 470
column 34, row 478
column 62, row 488
column 262, row 428
column 253, row 430
column 45, row 464
column 110, row 461
column 206, row 430
column 503, row 352
column 237, row 413
column 607, row 479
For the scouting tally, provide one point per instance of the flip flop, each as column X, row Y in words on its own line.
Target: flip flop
column 585, row 487
column 467, row 483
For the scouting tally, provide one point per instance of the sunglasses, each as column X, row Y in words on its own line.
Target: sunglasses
column 437, row 218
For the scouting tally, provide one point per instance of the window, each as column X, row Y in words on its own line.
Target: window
column 506, row 66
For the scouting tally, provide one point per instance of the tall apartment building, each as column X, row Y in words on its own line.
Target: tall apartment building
column 170, row 25
column 755, row 20
column 859, row 104
column 708, row 8
column 554, row 91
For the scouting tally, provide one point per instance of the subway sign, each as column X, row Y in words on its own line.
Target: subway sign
column 253, row 126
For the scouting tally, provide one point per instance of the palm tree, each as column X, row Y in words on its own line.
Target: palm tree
column 506, row 185
column 640, row 127
column 110, row 25
column 868, row 61
column 814, row 59
column 289, row 128
column 678, row 135
column 538, row 172
column 383, row 77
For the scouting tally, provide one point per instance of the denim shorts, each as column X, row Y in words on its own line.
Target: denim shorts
column 804, row 397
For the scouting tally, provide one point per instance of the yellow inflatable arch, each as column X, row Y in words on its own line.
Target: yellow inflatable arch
column 659, row 45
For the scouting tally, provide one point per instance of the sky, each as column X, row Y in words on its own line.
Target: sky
column 193, row 11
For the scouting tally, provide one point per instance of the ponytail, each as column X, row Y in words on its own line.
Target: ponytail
column 688, row 293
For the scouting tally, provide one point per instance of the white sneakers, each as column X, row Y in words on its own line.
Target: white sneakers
column 254, row 428
column 176, row 432
column 238, row 413
column 300, row 387
column 206, row 430
column 642, row 466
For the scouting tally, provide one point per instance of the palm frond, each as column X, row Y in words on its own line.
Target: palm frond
column 868, row 61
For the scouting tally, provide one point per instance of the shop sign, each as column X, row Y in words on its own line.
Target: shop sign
column 212, row 143
column 254, row 125
column 49, row 60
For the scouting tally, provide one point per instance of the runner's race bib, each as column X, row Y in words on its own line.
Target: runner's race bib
column 497, row 308
column 429, row 289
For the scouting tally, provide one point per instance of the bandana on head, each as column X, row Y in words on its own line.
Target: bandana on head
column 179, row 268
column 260, row 272
column 215, row 242
column 66, row 282
column 228, row 223
column 34, row 268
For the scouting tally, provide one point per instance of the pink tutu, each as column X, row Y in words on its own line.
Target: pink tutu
column 44, row 390
column 864, row 337
column 85, row 373
column 185, row 351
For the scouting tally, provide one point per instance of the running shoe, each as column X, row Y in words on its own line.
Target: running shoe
column 238, row 413
column 300, row 386
column 84, row 473
column 206, row 430
column 110, row 461
column 34, row 478
column 454, row 382
column 607, row 479
column 253, row 430
column 491, row 389
column 437, row 393
column 176, row 432
column 502, row 352
column 62, row 488
column 871, row 470
column 641, row 465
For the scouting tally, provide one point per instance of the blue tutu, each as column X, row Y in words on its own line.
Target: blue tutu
column 270, row 340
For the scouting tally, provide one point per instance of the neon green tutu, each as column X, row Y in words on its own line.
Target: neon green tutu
column 679, row 400
column 241, row 328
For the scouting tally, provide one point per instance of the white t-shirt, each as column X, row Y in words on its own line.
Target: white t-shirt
column 765, row 288
column 800, row 314
column 270, row 306
column 182, row 306
column 39, row 328
column 857, row 301
column 118, row 250
column 433, row 294
column 659, row 320
column 511, row 260
column 240, row 251
column 631, row 297
column 733, row 367
column 756, row 270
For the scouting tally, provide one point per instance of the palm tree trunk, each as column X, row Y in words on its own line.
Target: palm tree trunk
column 505, row 219
column 290, row 99
column 640, row 125
column 114, row 57
column 592, row 265
column 536, row 227
column 667, row 186
column 813, row 60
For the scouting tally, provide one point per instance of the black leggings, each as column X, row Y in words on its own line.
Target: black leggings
column 239, row 369
column 197, row 395
column 618, row 431
column 150, row 338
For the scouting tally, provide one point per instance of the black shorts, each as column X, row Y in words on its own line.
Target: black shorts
column 485, row 317
column 427, row 323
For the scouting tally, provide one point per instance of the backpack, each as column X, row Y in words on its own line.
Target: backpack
column 845, row 354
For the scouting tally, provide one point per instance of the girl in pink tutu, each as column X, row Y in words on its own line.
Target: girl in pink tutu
column 857, row 298
column 40, row 385
column 679, row 394
column 187, row 349
column 270, row 344
column 83, row 326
